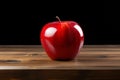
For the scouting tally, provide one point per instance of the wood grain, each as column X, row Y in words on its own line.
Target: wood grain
column 30, row 62
column 91, row 57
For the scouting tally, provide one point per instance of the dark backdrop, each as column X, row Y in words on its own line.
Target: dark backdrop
column 21, row 25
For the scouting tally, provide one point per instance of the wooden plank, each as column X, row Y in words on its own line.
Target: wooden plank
column 91, row 57
column 59, row 74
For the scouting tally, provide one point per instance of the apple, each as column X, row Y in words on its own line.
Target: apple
column 62, row 40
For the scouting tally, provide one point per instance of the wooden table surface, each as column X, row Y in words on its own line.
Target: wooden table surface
column 19, row 59
column 34, row 57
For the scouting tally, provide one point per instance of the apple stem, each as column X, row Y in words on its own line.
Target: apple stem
column 58, row 19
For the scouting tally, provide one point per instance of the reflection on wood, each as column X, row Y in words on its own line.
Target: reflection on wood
column 34, row 57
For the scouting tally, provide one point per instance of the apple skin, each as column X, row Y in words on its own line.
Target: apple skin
column 62, row 40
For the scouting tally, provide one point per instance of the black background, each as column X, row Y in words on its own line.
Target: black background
column 21, row 23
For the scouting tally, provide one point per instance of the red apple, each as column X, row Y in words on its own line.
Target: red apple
column 62, row 40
